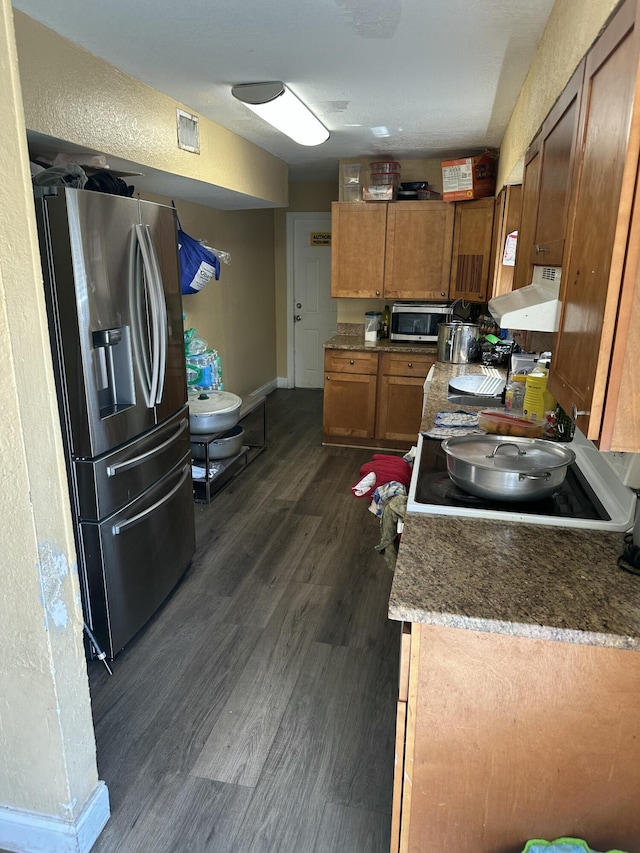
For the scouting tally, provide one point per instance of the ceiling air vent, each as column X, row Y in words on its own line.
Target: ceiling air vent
column 188, row 133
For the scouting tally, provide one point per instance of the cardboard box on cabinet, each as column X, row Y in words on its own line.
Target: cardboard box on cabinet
column 469, row 177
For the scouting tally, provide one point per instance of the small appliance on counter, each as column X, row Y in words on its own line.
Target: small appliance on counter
column 417, row 322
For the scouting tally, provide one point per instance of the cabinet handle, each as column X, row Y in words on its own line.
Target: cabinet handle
column 541, row 250
column 442, row 293
column 410, row 364
column 575, row 412
column 377, row 293
column 350, row 361
column 328, row 378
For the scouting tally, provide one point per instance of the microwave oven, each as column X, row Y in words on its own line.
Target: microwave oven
column 415, row 321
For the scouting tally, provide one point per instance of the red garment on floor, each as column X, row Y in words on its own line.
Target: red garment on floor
column 386, row 469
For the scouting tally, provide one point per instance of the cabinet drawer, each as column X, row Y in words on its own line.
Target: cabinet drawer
column 348, row 361
column 409, row 364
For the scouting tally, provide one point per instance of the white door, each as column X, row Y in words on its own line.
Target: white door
column 314, row 311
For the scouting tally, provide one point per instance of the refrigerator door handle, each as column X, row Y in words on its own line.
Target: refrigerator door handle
column 161, row 307
column 143, row 241
column 135, row 519
column 119, row 467
column 136, row 292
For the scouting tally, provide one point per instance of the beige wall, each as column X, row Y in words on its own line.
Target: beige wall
column 71, row 95
column 572, row 27
column 235, row 315
column 47, row 746
column 310, row 197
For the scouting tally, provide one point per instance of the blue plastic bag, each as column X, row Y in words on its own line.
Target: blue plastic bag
column 198, row 265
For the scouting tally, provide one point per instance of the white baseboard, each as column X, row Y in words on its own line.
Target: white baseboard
column 267, row 388
column 283, row 382
column 30, row 832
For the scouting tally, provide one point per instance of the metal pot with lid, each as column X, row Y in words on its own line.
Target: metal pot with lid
column 514, row 469
column 214, row 411
column 458, row 342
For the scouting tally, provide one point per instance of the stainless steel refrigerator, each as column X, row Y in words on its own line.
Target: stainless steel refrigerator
column 114, row 302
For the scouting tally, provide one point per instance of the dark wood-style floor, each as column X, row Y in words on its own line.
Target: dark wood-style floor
column 256, row 711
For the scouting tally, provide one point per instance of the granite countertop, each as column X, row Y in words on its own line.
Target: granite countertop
column 527, row 580
column 356, row 341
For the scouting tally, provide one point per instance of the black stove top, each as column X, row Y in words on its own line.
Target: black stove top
column 574, row 499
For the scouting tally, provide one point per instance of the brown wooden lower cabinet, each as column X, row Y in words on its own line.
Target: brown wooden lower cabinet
column 502, row 739
column 374, row 397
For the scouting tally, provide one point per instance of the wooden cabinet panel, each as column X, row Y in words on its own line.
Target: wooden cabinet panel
column 527, row 231
column 348, row 361
column 400, row 395
column 506, row 219
column 350, row 380
column 472, row 250
column 349, row 405
column 412, row 364
column 418, row 254
column 549, row 167
column 509, row 738
column 602, row 203
column 399, row 407
column 358, row 249
column 557, row 150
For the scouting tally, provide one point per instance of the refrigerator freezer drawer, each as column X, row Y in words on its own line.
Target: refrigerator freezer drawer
column 106, row 484
column 135, row 558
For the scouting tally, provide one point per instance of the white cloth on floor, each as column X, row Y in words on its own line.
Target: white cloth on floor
column 383, row 494
column 362, row 487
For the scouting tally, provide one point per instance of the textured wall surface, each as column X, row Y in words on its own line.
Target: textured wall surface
column 47, row 747
column 74, row 96
column 572, row 27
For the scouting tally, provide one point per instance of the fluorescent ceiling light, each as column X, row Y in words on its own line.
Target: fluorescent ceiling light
column 278, row 106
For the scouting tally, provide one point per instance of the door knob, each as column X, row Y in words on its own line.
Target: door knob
column 297, row 318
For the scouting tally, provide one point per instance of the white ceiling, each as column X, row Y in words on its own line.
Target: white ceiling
column 407, row 78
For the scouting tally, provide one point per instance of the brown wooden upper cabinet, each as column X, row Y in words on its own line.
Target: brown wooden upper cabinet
column 549, row 164
column 595, row 371
column 470, row 265
column 408, row 250
column 358, row 240
column 418, row 252
column 506, row 220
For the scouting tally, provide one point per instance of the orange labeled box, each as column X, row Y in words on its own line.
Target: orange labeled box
column 469, row 177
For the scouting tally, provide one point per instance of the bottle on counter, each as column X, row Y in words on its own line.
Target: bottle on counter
column 386, row 322
column 537, row 400
column 514, row 393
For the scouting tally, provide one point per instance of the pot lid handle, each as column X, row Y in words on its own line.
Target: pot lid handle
column 520, row 451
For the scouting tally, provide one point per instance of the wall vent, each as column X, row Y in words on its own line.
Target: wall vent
column 188, row 132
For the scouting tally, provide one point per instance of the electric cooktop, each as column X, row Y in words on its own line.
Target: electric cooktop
column 591, row 495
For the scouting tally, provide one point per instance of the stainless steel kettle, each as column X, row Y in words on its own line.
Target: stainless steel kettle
column 458, row 342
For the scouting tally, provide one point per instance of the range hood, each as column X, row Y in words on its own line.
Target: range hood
column 534, row 308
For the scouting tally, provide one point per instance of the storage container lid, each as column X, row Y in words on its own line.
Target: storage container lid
column 214, row 403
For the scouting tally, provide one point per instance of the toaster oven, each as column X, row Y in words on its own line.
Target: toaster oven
column 417, row 321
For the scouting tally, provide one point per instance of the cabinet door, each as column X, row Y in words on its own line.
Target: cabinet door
column 357, row 249
column 400, row 395
column 506, row 219
column 557, row 151
column 592, row 271
column 471, row 250
column 349, row 405
column 418, row 257
column 527, row 231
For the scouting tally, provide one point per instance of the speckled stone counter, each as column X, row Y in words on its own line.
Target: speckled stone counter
column 356, row 341
column 437, row 399
column 524, row 580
